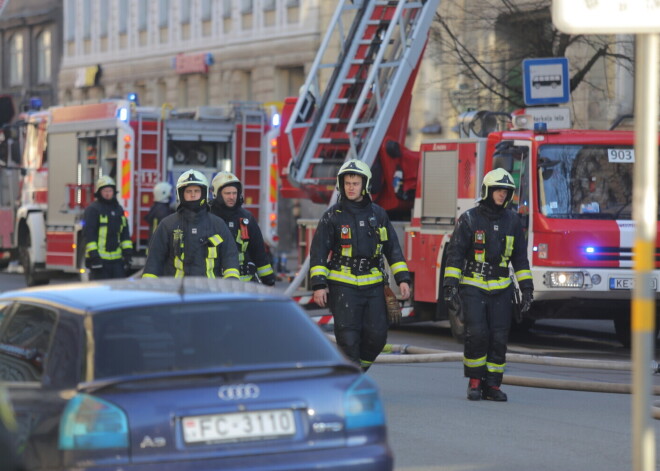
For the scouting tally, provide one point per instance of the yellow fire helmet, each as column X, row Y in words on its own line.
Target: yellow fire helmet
column 356, row 167
column 192, row 177
column 223, row 179
column 104, row 181
column 498, row 179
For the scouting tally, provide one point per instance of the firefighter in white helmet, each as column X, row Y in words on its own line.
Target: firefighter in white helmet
column 359, row 234
column 477, row 282
column 108, row 249
column 192, row 242
column 161, row 208
column 228, row 204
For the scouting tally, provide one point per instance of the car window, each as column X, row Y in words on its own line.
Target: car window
column 24, row 342
column 4, row 309
column 192, row 336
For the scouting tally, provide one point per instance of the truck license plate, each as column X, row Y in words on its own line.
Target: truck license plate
column 238, row 426
column 629, row 283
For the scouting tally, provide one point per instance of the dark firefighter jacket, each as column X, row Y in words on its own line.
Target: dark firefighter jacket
column 483, row 244
column 192, row 244
column 106, row 230
column 157, row 213
column 358, row 235
column 249, row 241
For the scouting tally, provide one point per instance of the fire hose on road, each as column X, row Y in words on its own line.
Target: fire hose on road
column 410, row 354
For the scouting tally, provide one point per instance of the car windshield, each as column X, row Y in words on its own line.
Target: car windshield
column 586, row 182
column 194, row 336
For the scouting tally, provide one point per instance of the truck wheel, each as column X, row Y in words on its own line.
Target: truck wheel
column 32, row 278
column 623, row 331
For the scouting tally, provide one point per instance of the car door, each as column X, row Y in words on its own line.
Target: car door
column 27, row 335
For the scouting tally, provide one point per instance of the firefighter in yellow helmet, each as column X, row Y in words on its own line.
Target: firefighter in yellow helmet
column 477, row 283
column 359, row 235
column 192, row 242
column 108, row 249
column 228, row 205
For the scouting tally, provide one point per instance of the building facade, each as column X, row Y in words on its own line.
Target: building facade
column 187, row 52
column 30, row 49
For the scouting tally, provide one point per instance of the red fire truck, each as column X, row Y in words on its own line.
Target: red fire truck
column 574, row 187
column 68, row 147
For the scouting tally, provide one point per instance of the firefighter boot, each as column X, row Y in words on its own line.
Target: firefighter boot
column 474, row 389
column 493, row 393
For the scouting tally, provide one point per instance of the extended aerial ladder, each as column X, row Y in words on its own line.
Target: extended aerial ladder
column 377, row 57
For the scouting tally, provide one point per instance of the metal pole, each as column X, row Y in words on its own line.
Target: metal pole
column 645, row 211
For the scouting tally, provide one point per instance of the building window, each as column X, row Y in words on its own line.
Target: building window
column 164, row 13
column 207, row 10
column 87, row 19
column 44, row 51
column 70, row 11
column 143, row 15
column 226, row 9
column 292, row 3
column 123, row 16
column 104, row 18
column 246, row 6
column 268, row 5
column 185, row 11
column 16, row 60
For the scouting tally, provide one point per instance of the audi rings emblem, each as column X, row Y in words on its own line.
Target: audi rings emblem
column 234, row 392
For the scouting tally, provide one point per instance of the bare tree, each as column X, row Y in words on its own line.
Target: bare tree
column 487, row 40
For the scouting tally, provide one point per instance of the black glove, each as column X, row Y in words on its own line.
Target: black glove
column 527, row 298
column 268, row 280
column 94, row 262
column 450, row 295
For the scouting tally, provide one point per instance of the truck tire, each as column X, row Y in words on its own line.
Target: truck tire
column 32, row 277
column 623, row 332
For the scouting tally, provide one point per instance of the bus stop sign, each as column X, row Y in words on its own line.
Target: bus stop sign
column 546, row 81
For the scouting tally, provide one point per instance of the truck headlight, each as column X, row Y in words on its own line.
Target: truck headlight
column 564, row 279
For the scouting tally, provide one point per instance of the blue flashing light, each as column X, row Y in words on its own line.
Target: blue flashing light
column 133, row 97
column 122, row 114
column 590, row 250
column 35, row 103
column 275, row 120
column 541, row 127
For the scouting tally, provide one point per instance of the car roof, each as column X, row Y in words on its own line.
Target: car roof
column 107, row 295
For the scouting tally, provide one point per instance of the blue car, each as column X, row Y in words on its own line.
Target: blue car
column 188, row 374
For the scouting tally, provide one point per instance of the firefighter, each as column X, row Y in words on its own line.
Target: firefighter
column 351, row 282
column 109, row 247
column 477, row 282
column 228, row 204
column 161, row 207
column 192, row 242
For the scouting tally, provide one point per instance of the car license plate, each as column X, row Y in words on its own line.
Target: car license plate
column 239, row 426
column 629, row 283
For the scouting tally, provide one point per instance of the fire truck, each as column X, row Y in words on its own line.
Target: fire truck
column 68, row 147
column 574, row 187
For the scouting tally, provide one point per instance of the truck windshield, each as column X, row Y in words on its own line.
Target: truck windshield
column 586, row 182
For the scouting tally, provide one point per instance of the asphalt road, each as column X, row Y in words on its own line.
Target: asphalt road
column 432, row 426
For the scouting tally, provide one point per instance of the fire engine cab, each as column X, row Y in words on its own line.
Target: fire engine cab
column 67, row 148
column 574, row 196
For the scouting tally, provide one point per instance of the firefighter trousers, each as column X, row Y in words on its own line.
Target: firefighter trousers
column 487, row 323
column 110, row 269
column 360, row 318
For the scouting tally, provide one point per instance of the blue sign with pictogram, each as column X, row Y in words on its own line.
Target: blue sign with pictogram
column 546, row 81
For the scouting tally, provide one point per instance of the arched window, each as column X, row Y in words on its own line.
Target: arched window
column 44, row 51
column 16, row 60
